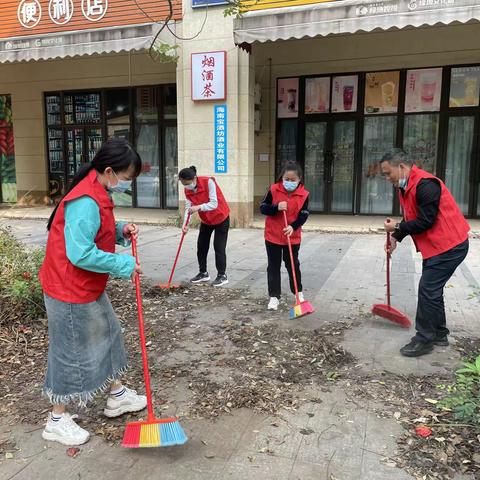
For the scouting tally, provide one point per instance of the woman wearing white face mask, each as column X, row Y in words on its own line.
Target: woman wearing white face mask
column 289, row 195
column 203, row 196
column 86, row 354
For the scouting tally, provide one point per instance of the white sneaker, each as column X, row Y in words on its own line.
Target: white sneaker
column 65, row 431
column 300, row 297
column 273, row 303
column 130, row 402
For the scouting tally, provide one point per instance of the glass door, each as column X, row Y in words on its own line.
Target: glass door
column 75, row 151
column 315, row 140
column 460, row 139
column 340, row 174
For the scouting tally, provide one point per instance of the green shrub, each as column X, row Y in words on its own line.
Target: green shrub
column 463, row 397
column 21, row 297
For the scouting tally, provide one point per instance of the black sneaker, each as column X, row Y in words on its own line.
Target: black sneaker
column 220, row 280
column 416, row 348
column 201, row 277
column 441, row 341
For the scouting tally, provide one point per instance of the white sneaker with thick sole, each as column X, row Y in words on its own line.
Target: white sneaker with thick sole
column 300, row 297
column 130, row 402
column 65, row 431
column 273, row 303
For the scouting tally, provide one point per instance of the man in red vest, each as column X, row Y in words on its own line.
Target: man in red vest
column 440, row 233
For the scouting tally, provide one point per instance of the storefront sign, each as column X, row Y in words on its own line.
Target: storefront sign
column 381, row 92
column 220, row 127
column 344, row 93
column 317, row 95
column 208, row 3
column 465, row 87
column 287, row 98
column 40, row 17
column 423, row 90
column 209, row 76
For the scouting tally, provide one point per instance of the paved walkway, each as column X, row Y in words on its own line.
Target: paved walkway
column 343, row 275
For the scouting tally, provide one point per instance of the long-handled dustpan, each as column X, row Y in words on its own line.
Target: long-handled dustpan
column 387, row 311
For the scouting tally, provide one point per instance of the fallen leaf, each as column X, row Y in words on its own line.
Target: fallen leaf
column 73, row 452
column 423, row 431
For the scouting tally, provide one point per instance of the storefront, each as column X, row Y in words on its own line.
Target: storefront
column 372, row 76
column 339, row 127
column 75, row 72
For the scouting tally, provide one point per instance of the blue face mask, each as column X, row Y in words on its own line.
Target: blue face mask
column 290, row 186
column 121, row 187
column 402, row 182
column 191, row 186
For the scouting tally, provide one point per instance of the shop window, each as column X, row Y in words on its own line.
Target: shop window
column 170, row 103
column 315, row 143
column 420, row 140
column 8, row 182
column 378, row 138
column 464, row 87
column 287, row 142
column 459, row 155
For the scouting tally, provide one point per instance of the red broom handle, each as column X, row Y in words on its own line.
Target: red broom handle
column 178, row 252
column 146, row 374
column 291, row 260
column 389, row 244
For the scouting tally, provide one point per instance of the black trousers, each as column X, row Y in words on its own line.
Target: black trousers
column 430, row 321
column 219, row 244
column 275, row 253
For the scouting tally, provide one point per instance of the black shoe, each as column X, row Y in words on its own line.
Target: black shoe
column 201, row 277
column 416, row 348
column 441, row 341
column 220, row 280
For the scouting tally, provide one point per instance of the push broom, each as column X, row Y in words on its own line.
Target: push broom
column 300, row 308
column 167, row 286
column 387, row 311
column 154, row 432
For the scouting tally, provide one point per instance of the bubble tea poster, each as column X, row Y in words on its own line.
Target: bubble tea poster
column 287, row 98
column 381, row 92
column 344, row 93
column 423, row 90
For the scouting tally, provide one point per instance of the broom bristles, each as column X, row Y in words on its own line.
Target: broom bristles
column 164, row 432
column 392, row 314
column 301, row 309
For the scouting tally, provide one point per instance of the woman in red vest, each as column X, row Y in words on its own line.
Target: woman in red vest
column 440, row 233
column 86, row 354
column 204, row 196
column 289, row 195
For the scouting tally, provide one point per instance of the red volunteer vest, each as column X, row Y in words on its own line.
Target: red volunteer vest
column 62, row 280
column 200, row 196
column 450, row 228
column 274, row 224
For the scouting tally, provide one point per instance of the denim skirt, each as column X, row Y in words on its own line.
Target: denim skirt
column 86, row 351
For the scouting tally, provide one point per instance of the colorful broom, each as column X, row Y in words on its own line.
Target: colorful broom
column 387, row 311
column 169, row 285
column 154, row 432
column 300, row 308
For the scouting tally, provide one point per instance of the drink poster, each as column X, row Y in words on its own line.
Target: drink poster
column 317, row 95
column 381, row 92
column 344, row 93
column 423, row 90
column 465, row 87
column 287, row 98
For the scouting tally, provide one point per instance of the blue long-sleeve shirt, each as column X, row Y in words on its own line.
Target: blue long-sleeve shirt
column 82, row 222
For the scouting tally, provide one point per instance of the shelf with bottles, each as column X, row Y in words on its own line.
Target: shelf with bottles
column 52, row 105
column 55, row 150
column 94, row 142
column 87, row 108
column 68, row 109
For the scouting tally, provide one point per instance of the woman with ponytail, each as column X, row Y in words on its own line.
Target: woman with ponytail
column 86, row 353
column 203, row 196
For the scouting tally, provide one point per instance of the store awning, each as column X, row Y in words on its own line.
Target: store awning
column 108, row 40
column 350, row 16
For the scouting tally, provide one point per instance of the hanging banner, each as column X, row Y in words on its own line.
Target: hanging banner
column 344, row 93
column 381, row 92
column 287, row 98
column 209, row 76
column 317, row 95
column 220, row 128
column 423, row 90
